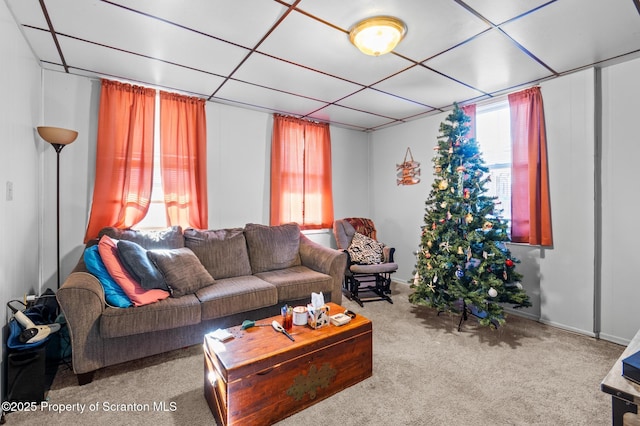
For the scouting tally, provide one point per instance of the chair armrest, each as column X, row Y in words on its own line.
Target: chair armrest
column 387, row 254
column 81, row 299
column 326, row 260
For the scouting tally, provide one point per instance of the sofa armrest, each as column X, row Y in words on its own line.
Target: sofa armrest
column 81, row 299
column 326, row 260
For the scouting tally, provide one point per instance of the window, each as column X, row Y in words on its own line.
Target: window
column 156, row 217
column 301, row 189
column 493, row 133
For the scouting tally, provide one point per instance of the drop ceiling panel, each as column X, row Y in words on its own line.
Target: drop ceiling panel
column 271, row 72
column 142, row 35
column 303, row 40
column 28, row 13
column 107, row 62
column 489, row 63
column 244, row 22
column 383, row 104
column 499, row 11
column 427, row 87
column 310, row 67
column 255, row 96
column 42, row 44
column 345, row 115
column 595, row 31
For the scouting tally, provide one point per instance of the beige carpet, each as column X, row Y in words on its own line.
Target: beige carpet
column 425, row 373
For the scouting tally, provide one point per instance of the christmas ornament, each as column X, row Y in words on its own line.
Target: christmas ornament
column 487, row 226
column 509, row 263
column 460, row 251
column 443, row 184
column 519, row 285
column 492, row 292
column 468, row 218
column 416, row 279
column 459, row 273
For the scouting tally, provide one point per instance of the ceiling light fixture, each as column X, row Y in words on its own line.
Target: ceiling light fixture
column 378, row 35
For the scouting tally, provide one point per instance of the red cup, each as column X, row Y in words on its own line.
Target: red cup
column 287, row 319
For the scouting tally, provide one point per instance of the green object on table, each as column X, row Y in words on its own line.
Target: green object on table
column 248, row 324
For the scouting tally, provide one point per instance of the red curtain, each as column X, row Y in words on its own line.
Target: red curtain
column 124, row 157
column 183, row 151
column 530, row 205
column 301, row 186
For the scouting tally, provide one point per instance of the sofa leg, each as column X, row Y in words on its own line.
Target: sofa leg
column 85, row 378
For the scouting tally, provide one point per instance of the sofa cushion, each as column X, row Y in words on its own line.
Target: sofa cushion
column 135, row 260
column 297, row 282
column 163, row 315
column 113, row 293
column 168, row 238
column 181, row 269
column 365, row 250
column 107, row 247
column 222, row 252
column 273, row 247
column 234, row 295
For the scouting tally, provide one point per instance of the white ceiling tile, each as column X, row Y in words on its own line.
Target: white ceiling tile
column 383, row 104
column 427, row 87
column 499, row 11
column 140, row 34
column 342, row 115
column 596, row 31
column 271, row 72
column 303, row 40
column 27, row 12
column 489, row 63
column 107, row 62
column 255, row 96
column 225, row 19
column 198, row 46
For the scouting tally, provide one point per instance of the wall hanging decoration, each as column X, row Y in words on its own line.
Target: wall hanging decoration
column 408, row 170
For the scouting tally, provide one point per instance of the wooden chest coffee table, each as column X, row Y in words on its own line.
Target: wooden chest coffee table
column 260, row 376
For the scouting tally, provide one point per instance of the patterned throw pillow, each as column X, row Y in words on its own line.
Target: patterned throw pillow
column 365, row 250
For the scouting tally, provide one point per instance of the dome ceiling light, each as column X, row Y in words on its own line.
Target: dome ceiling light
column 378, row 35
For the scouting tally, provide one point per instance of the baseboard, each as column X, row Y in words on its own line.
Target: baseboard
column 615, row 339
column 567, row 328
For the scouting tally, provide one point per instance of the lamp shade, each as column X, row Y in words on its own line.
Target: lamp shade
column 57, row 135
column 378, row 35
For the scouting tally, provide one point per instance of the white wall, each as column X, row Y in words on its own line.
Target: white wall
column 238, row 157
column 20, row 166
column 620, row 201
column 558, row 280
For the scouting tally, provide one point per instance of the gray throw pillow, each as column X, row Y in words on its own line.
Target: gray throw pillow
column 223, row 252
column 169, row 238
column 181, row 269
column 273, row 247
column 134, row 259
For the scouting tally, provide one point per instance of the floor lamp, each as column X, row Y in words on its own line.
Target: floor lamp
column 58, row 138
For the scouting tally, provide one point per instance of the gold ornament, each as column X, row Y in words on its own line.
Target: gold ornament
column 468, row 218
column 460, row 251
column 443, row 184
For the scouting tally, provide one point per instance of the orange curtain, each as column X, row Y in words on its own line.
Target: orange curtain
column 183, row 153
column 530, row 205
column 124, row 157
column 470, row 111
column 301, row 186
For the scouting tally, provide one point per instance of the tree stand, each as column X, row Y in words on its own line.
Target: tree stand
column 470, row 310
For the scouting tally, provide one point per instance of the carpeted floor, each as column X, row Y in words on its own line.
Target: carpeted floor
column 425, row 373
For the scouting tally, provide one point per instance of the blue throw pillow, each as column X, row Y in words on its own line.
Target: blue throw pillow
column 134, row 259
column 114, row 295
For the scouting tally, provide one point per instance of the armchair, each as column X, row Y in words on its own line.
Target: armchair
column 369, row 262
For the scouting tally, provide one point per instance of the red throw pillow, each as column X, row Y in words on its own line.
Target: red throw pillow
column 108, row 249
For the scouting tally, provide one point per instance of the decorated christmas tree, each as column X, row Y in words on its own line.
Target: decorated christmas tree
column 463, row 265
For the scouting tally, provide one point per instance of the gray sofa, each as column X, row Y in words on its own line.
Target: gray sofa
column 256, row 270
